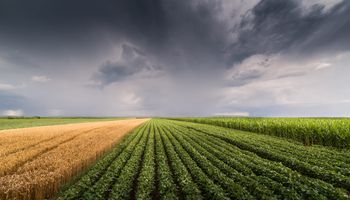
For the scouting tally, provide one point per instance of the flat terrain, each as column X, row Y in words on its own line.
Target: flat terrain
column 6, row 123
column 36, row 161
column 334, row 132
column 167, row 159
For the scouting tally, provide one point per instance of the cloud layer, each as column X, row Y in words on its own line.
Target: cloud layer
column 196, row 57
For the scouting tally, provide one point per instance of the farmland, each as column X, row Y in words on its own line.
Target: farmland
column 22, row 122
column 168, row 159
column 36, row 162
column 333, row 132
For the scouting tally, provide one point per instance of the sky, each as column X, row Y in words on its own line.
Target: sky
column 175, row 58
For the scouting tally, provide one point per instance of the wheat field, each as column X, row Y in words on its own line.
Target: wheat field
column 36, row 162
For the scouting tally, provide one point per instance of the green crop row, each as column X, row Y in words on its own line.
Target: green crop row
column 260, row 187
column 188, row 188
column 230, row 181
column 166, row 186
column 248, row 163
column 97, row 172
column 329, row 159
column 123, row 185
column 309, row 131
column 146, row 179
column 253, row 143
column 209, row 188
column 168, row 159
column 97, row 181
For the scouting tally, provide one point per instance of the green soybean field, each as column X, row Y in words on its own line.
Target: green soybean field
column 172, row 159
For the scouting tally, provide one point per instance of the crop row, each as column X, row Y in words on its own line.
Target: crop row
column 333, row 170
column 167, row 159
column 104, row 172
column 309, row 131
column 264, row 171
column 38, row 165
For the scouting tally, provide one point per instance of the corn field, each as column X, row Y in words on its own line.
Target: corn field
column 310, row 131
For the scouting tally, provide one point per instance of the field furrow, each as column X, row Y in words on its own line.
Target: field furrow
column 13, row 161
column 124, row 186
column 144, row 185
column 40, row 171
column 256, row 186
column 245, row 160
column 167, row 159
column 99, row 171
column 166, row 187
column 101, row 188
column 209, row 188
column 187, row 187
column 303, row 167
column 322, row 131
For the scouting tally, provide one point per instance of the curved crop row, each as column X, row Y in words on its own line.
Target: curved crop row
column 244, row 161
column 167, row 159
column 96, row 183
column 317, row 154
column 331, row 159
column 252, row 144
column 327, row 132
column 261, row 187
column 233, row 182
column 207, row 185
column 47, row 166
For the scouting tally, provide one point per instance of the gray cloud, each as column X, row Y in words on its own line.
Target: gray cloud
column 84, row 27
column 151, row 55
column 182, row 34
column 113, row 72
column 10, row 100
column 285, row 26
column 133, row 61
column 16, row 60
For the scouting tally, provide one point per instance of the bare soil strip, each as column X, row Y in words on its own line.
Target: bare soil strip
column 37, row 161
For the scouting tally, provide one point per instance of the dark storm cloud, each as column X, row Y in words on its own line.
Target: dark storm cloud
column 153, row 25
column 113, row 72
column 195, row 44
column 133, row 61
column 178, row 35
column 74, row 26
column 182, row 34
column 274, row 26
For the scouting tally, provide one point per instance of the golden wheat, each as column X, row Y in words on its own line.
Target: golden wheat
column 41, row 159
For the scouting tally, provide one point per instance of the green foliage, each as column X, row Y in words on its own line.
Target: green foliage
column 210, row 189
column 166, row 186
column 22, row 122
column 188, row 187
column 96, row 181
column 246, row 182
column 322, row 131
column 123, row 185
column 167, row 159
column 146, row 179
